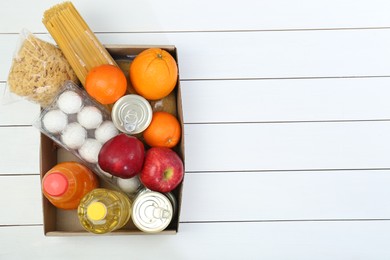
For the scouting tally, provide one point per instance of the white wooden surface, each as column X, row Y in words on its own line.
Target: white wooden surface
column 287, row 125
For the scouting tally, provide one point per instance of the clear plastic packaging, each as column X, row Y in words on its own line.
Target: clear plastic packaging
column 79, row 44
column 72, row 121
column 38, row 70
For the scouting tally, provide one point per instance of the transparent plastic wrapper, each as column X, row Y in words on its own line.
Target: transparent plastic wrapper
column 166, row 104
column 79, row 44
column 78, row 124
column 38, row 70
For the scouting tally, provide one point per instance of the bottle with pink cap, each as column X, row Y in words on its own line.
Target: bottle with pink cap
column 65, row 184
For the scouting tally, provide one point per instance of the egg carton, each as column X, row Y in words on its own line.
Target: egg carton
column 79, row 124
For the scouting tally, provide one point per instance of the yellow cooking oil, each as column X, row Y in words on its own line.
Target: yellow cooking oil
column 103, row 210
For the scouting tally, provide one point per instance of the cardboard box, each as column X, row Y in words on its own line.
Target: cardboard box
column 57, row 222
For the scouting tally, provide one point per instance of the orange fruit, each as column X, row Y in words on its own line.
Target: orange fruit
column 106, row 83
column 163, row 131
column 153, row 73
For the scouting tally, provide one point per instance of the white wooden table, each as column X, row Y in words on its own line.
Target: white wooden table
column 287, row 129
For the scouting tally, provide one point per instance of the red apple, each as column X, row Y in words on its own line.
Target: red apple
column 163, row 169
column 122, row 156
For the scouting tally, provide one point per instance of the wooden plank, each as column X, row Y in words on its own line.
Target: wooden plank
column 240, row 196
column 287, row 146
column 261, row 101
column 274, row 54
column 19, row 150
column 285, row 100
column 252, row 196
column 15, row 110
column 220, row 147
column 20, row 200
column 192, row 15
column 278, row 240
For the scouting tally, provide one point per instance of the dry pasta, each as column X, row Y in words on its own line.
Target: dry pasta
column 38, row 70
column 76, row 40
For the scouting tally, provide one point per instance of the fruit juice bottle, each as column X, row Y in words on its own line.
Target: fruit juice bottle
column 102, row 211
column 65, row 184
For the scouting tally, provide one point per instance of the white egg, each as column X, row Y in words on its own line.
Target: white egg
column 106, row 131
column 55, row 121
column 89, row 151
column 90, row 117
column 74, row 135
column 105, row 174
column 129, row 185
column 70, row 102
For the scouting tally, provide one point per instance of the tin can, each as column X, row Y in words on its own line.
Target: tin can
column 131, row 114
column 153, row 211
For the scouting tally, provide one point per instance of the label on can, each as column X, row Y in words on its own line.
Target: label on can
column 131, row 114
column 152, row 211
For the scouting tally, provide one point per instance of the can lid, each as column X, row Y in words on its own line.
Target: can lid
column 55, row 184
column 131, row 114
column 96, row 211
column 152, row 212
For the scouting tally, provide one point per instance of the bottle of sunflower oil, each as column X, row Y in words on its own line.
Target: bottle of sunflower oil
column 103, row 210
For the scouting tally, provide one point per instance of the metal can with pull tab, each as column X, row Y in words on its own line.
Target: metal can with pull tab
column 153, row 211
column 131, row 114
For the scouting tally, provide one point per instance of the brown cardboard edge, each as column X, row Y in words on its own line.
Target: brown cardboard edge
column 48, row 153
column 115, row 233
column 48, row 157
column 182, row 141
column 118, row 49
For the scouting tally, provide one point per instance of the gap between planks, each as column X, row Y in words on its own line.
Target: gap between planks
column 244, row 221
column 224, row 31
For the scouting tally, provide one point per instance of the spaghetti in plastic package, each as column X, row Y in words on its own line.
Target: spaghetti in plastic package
column 77, row 41
column 38, row 70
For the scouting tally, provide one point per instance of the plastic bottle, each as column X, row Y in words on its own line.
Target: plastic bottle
column 102, row 211
column 65, row 184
